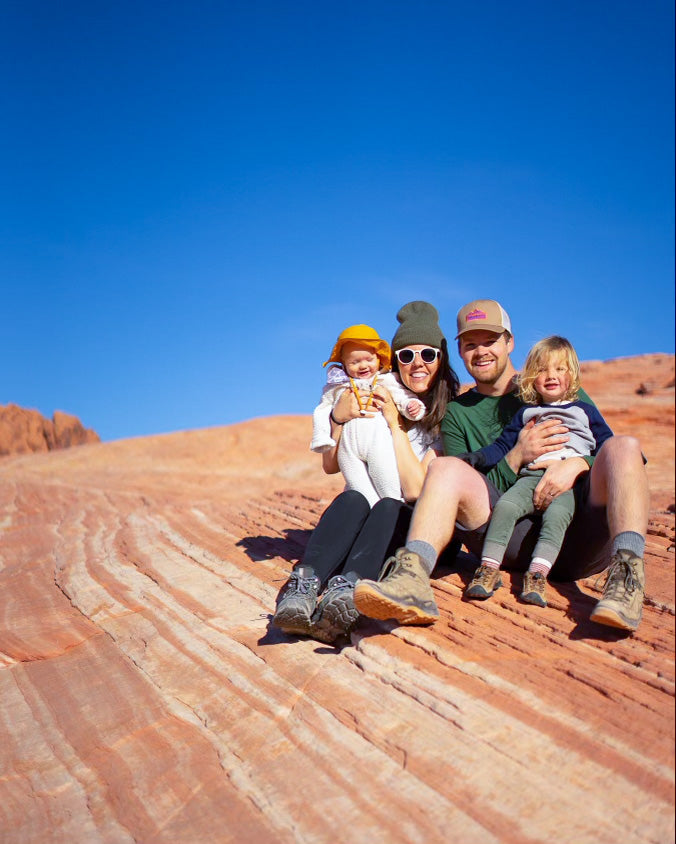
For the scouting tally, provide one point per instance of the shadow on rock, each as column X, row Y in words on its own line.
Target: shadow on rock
column 579, row 609
column 289, row 547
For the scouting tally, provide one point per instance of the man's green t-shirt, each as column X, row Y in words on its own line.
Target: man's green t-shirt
column 473, row 421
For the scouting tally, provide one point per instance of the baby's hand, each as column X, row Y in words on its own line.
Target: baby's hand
column 414, row 408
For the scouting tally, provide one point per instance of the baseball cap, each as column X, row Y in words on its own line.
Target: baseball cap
column 483, row 315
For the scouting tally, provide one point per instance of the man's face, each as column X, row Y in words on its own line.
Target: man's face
column 485, row 354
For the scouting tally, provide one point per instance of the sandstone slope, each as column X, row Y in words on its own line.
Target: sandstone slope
column 146, row 698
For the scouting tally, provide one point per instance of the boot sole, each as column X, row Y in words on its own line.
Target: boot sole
column 373, row 604
column 481, row 596
column 533, row 598
column 294, row 622
column 338, row 619
column 611, row 618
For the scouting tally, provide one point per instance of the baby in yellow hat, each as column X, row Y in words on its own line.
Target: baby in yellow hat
column 365, row 452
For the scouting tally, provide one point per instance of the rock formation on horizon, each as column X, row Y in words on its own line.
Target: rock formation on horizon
column 24, row 431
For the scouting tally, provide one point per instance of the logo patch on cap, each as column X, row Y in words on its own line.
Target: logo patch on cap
column 476, row 314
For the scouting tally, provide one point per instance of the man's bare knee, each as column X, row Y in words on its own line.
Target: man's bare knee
column 621, row 447
column 618, row 472
column 444, row 471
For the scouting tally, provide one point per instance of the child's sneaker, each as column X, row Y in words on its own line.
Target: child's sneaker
column 297, row 602
column 485, row 582
column 533, row 590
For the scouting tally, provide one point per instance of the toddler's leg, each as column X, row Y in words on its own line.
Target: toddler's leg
column 555, row 521
column 380, row 458
column 353, row 468
column 513, row 505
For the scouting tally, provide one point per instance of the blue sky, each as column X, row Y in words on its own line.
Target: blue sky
column 198, row 197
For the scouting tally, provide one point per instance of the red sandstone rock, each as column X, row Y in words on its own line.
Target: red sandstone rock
column 23, row 431
column 146, row 698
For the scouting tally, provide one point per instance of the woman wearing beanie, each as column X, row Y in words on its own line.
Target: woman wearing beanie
column 353, row 539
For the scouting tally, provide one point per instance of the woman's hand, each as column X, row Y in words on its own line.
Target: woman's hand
column 536, row 440
column 559, row 476
column 347, row 407
column 383, row 402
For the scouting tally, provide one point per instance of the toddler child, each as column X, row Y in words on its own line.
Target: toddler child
column 548, row 386
column 365, row 451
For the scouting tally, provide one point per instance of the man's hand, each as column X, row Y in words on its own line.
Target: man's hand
column 559, row 476
column 536, row 440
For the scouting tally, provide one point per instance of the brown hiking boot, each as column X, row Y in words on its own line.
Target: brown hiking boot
column 403, row 592
column 485, row 582
column 533, row 590
column 622, row 602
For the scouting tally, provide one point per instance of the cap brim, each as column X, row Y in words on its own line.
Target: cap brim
column 496, row 329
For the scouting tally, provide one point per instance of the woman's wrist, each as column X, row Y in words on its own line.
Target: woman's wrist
column 334, row 420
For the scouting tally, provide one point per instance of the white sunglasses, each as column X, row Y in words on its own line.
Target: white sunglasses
column 427, row 355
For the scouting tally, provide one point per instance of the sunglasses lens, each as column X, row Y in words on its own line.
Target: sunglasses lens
column 405, row 356
column 428, row 355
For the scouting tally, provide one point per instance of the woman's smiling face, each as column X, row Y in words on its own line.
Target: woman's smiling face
column 419, row 376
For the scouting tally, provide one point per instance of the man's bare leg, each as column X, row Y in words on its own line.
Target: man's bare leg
column 619, row 482
column 452, row 491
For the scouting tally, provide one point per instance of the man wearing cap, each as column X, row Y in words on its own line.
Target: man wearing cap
column 612, row 499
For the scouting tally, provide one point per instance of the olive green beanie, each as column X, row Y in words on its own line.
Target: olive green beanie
column 419, row 326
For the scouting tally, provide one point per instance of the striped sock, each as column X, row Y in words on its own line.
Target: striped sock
column 539, row 564
column 490, row 562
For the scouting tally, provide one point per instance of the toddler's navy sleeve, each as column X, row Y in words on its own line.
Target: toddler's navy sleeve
column 489, row 456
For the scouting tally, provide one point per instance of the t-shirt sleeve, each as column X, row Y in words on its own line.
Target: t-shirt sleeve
column 452, row 433
column 502, row 476
column 598, row 426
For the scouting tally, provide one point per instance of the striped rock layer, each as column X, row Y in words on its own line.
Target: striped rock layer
column 146, row 697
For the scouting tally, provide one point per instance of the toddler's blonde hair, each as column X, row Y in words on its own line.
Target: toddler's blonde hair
column 538, row 356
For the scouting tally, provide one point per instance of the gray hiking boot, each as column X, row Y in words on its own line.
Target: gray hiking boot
column 297, row 602
column 622, row 602
column 485, row 582
column 534, row 588
column 336, row 613
column 403, row 592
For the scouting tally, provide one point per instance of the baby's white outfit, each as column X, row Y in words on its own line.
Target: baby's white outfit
column 366, row 451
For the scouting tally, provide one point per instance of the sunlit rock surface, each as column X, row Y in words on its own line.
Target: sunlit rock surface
column 145, row 697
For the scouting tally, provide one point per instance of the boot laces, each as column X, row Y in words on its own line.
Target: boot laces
column 621, row 575
column 485, row 575
column 392, row 569
column 302, row 584
column 340, row 582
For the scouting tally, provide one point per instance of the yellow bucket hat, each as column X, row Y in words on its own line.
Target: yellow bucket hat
column 365, row 336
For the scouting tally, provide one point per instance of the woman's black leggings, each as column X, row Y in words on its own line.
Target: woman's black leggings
column 351, row 536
